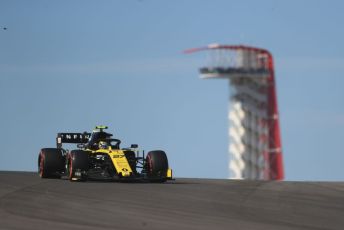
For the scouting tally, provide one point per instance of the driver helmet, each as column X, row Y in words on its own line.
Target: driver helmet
column 102, row 145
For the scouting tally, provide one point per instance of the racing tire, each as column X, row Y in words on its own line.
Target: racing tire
column 131, row 158
column 157, row 165
column 78, row 163
column 50, row 163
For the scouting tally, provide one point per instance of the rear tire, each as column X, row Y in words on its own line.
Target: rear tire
column 157, row 165
column 50, row 163
column 78, row 162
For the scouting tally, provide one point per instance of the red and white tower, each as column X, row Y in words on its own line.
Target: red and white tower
column 255, row 150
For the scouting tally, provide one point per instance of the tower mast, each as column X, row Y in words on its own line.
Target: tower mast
column 255, row 149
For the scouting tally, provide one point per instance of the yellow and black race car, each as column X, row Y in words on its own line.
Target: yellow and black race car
column 99, row 156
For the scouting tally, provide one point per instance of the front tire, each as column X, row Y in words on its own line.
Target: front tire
column 78, row 165
column 157, row 165
column 50, row 163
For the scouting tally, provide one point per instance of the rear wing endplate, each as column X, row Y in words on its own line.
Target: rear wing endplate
column 72, row 138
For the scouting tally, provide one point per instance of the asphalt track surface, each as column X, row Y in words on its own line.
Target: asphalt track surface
column 28, row 202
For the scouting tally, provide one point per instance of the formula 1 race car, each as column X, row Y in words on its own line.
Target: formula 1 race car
column 99, row 156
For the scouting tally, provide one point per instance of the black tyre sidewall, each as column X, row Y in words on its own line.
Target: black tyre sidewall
column 50, row 163
column 77, row 160
column 157, row 163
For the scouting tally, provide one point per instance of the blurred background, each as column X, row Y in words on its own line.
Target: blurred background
column 66, row 66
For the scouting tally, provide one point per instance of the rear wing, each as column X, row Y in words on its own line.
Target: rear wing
column 72, row 138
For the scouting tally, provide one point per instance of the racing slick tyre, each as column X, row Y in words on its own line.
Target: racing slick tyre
column 157, row 165
column 131, row 158
column 50, row 163
column 77, row 165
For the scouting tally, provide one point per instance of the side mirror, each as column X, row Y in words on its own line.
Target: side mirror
column 134, row 146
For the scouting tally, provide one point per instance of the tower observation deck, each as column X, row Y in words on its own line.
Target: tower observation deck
column 255, row 150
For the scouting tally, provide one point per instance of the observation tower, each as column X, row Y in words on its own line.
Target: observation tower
column 255, row 150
